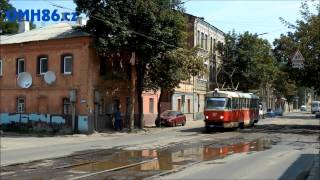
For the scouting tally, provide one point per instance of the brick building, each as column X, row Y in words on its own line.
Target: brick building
column 98, row 84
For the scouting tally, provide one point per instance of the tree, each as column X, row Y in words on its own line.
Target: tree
column 147, row 27
column 6, row 26
column 305, row 38
column 246, row 60
column 167, row 71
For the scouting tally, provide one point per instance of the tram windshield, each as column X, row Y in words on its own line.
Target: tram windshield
column 218, row 103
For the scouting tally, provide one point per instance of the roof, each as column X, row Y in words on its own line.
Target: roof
column 202, row 19
column 231, row 94
column 55, row 31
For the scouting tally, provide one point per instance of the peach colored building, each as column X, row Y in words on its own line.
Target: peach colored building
column 98, row 84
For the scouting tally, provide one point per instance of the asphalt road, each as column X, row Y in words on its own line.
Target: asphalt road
column 290, row 158
column 277, row 148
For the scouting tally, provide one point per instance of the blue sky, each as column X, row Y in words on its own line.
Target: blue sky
column 250, row 15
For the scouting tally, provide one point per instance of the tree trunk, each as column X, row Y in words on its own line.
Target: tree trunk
column 133, row 96
column 159, row 103
column 140, row 76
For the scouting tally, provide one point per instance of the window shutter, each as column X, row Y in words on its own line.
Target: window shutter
column 38, row 65
column 62, row 64
column 16, row 66
column 71, row 64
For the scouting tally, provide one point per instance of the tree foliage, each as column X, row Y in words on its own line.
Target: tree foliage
column 154, row 29
column 6, row 26
column 246, row 60
column 167, row 72
column 305, row 38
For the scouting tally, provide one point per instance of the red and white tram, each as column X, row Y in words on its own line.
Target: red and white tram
column 230, row 109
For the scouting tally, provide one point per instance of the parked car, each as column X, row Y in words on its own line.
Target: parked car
column 303, row 108
column 171, row 118
column 318, row 115
column 315, row 106
column 270, row 113
column 278, row 112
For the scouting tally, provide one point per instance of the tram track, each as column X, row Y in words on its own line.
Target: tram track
column 113, row 169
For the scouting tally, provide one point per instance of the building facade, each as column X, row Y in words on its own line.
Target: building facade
column 84, row 93
column 190, row 95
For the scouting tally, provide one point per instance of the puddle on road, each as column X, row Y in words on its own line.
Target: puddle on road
column 169, row 160
column 163, row 160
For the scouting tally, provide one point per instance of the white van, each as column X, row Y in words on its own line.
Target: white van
column 315, row 106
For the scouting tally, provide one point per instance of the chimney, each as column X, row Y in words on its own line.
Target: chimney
column 24, row 26
column 81, row 21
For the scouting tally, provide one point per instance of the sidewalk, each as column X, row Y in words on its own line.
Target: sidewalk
column 12, row 141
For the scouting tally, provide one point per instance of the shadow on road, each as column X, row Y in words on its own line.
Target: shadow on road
column 286, row 129
column 305, row 117
column 299, row 170
column 201, row 130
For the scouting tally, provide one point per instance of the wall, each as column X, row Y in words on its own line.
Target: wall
column 35, row 123
column 40, row 97
column 48, row 123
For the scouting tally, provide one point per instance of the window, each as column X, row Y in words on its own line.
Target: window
column 42, row 65
column 211, row 44
column 189, row 105
column 66, row 106
column 179, row 104
column 198, row 38
column 235, row 103
column 216, row 103
column 206, row 42
column 1, row 67
column 202, row 39
column 20, row 105
column 67, row 64
column 20, row 67
column 214, row 44
column 151, row 105
column 103, row 67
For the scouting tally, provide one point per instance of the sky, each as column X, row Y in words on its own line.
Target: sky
column 255, row 16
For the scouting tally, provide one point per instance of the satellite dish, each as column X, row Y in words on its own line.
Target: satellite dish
column 24, row 80
column 50, row 77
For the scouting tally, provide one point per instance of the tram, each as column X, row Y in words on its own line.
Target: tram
column 230, row 109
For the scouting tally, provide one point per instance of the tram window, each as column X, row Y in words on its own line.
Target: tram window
column 228, row 106
column 245, row 103
column 216, row 103
column 235, row 103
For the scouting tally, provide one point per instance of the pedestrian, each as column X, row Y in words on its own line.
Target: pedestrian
column 118, row 120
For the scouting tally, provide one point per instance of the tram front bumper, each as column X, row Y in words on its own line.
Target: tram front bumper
column 221, row 124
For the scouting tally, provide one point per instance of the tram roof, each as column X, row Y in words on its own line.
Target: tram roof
column 232, row 94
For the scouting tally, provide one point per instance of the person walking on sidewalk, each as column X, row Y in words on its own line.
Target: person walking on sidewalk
column 118, row 120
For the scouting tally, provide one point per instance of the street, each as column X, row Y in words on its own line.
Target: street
column 276, row 148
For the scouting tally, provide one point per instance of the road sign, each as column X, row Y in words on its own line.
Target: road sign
column 297, row 60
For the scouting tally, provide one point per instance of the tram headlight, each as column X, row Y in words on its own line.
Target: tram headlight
column 221, row 117
column 207, row 117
